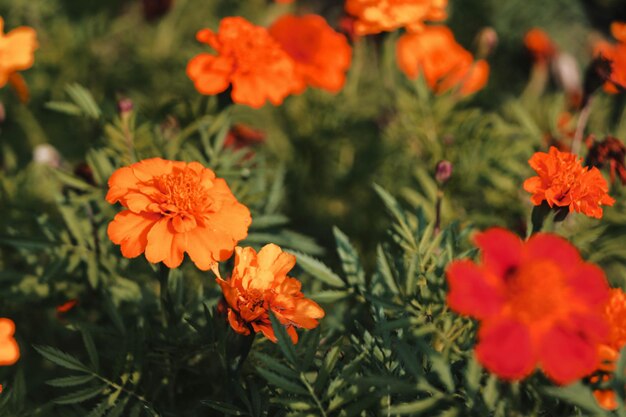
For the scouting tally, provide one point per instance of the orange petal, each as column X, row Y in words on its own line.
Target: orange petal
column 164, row 244
column 130, row 231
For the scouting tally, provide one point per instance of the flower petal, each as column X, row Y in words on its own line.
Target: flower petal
column 470, row 292
column 130, row 231
column 501, row 250
column 164, row 244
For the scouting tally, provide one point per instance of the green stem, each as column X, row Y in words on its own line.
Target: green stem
column 313, row 395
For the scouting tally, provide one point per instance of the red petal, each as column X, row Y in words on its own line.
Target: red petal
column 590, row 285
column 471, row 292
column 505, row 348
column 554, row 248
column 502, row 250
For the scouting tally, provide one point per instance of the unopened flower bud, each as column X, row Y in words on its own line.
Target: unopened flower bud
column 486, row 42
column 124, row 106
column 443, row 172
column 47, row 155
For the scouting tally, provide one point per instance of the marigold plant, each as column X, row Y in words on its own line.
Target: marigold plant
column 248, row 59
column 375, row 16
column 259, row 285
column 562, row 181
column 538, row 303
column 174, row 207
column 322, row 56
column 444, row 63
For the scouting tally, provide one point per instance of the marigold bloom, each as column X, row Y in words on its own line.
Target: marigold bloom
column 249, row 59
column 9, row 350
column 375, row 16
column 259, row 284
column 17, row 53
column 562, row 181
column 322, row 56
column 612, row 152
column 175, row 207
column 538, row 302
column 618, row 30
column 444, row 63
column 616, row 54
column 615, row 314
column 540, row 45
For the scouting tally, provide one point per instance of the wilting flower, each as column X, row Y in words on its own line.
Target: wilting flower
column 17, row 49
column 375, row 16
column 175, row 207
column 538, row 302
column 249, row 59
column 610, row 151
column 562, row 181
column 9, row 350
column 322, row 56
column 616, row 54
column 540, row 45
column 259, row 284
column 615, row 314
column 240, row 136
column 444, row 63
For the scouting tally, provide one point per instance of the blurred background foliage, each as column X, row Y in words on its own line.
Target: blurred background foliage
column 315, row 169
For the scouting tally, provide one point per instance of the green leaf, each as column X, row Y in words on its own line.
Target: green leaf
column 90, row 346
column 99, row 410
column 64, row 107
column 578, row 395
column 284, row 341
column 80, row 396
column 442, row 368
column 282, row 382
column 318, row 270
column 61, row 358
column 225, row 408
column 70, row 381
column 418, row 406
column 84, row 100
column 350, row 260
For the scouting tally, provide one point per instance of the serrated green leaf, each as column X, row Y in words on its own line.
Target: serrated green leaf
column 318, row 270
column 281, row 382
column 418, row 406
column 225, row 408
column 284, row 341
column 70, row 381
column 80, row 396
column 61, row 358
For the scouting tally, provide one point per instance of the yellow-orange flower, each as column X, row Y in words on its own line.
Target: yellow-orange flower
column 615, row 314
column 616, row 53
column 375, row 16
column 9, row 350
column 175, row 207
column 249, row 59
column 562, row 181
column 17, row 53
column 445, row 64
column 259, row 284
column 322, row 56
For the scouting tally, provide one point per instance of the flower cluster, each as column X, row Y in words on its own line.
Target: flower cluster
column 562, row 181
column 268, row 65
column 538, row 302
column 444, row 63
column 173, row 208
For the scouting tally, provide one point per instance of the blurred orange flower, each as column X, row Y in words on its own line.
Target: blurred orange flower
column 444, row 63
column 538, row 302
column 616, row 54
column 562, row 181
column 17, row 53
column 322, row 56
column 615, row 314
column 284, row 1
column 540, row 45
column 9, row 350
column 249, row 59
column 259, row 284
column 175, row 207
column 375, row 16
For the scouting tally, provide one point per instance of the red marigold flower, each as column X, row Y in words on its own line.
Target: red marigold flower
column 322, row 56
column 9, row 350
column 249, row 59
column 540, row 45
column 175, row 207
column 616, row 54
column 562, row 181
column 259, row 284
column 618, row 30
column 538, row 302
column 375, row 16
column 444, row 63
column 612, row 152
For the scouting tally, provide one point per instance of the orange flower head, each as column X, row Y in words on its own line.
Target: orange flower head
column 175, row 207
column 375, row 16
column 17, row 49
column 562, row 181
column 445, row 64
column 540, row 45
column 284, row 1
column 249, row 59
column 259, row 284
column 618, row 30
column 322, row 56
column 538, row 302
column 9, row 350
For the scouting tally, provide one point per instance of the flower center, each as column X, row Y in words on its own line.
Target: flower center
column 182, row 193
column 537, row 291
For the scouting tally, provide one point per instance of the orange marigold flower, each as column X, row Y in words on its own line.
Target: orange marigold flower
column 17, row 50
column 538, row 302
column 322, row 56
column 540, row 45
column 9, row 350
column 562, row 181
column 259, row 284
column 175, row 207
column 444, row 63
column 612, row 152
column 618, row 30
column 375, row 16
column 616, row 55
column 615, row 314
column 249, row 59
column 284, row 1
